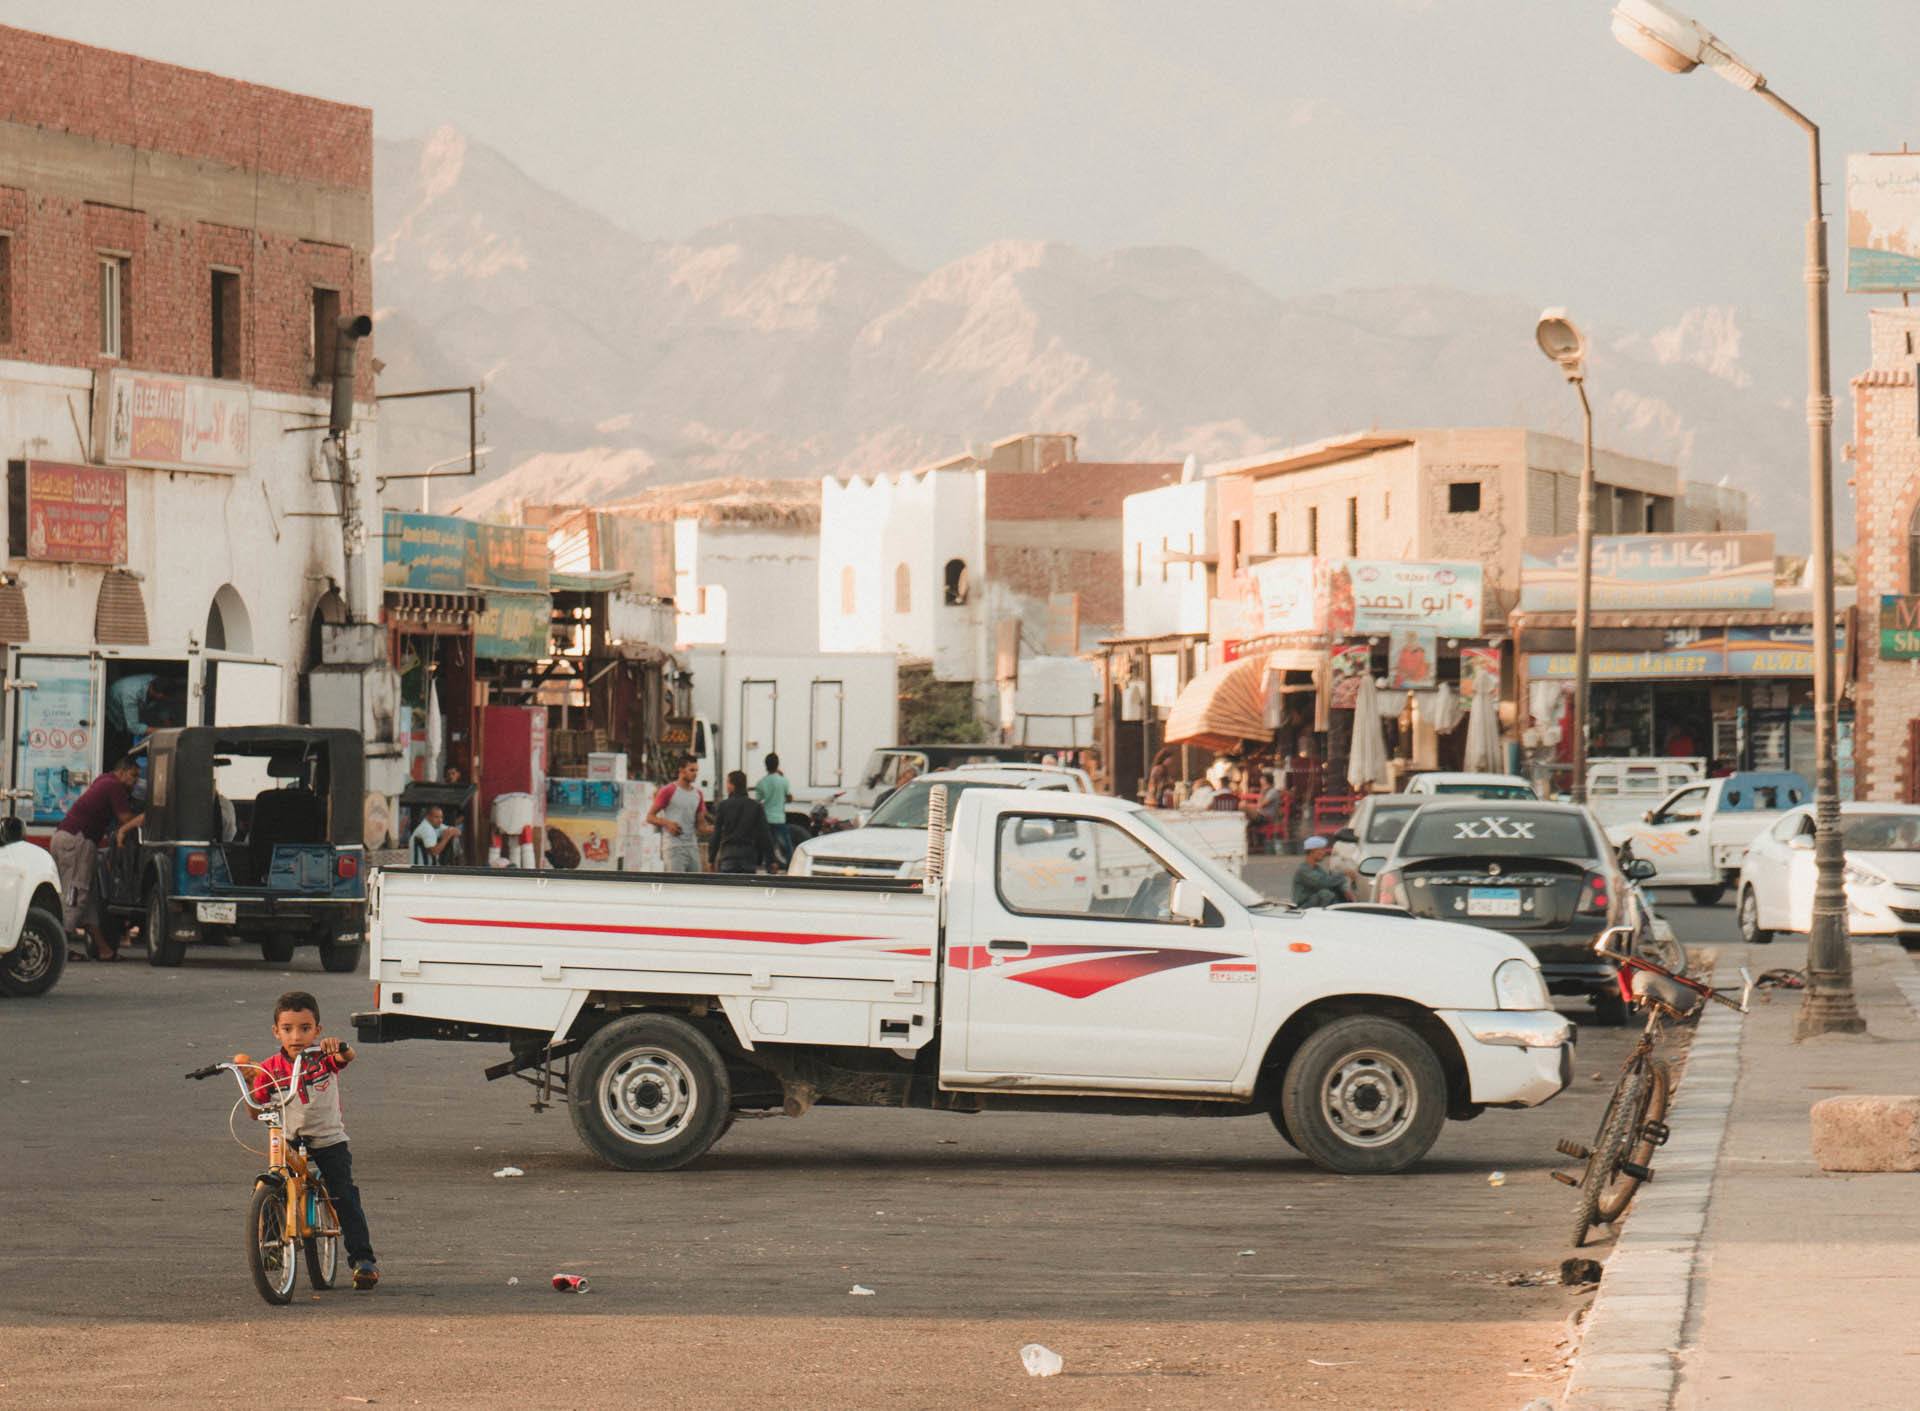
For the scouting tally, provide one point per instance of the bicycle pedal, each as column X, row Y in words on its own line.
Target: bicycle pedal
column 1564, row 1179
column 1635, row 1170
column 1572, row 1148
column 1655, row 1132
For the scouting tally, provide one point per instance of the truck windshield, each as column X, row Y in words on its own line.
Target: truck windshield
column 1488, row 791
column 1218, row 875
column 907, row 807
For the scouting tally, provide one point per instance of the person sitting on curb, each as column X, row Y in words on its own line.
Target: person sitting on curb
column 1317, row 883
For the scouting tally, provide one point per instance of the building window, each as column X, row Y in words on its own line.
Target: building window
column 1463, row 497
column 225, row 321
column 1236, row 544
column 6, row 288
column 1273, row 531
column 956, row 580
column 1913, row 552
column 115, row 288
column 903, row 589
column 1313, row 529
column 1191, row 555
column 1139, row 562
column 326, row 324
column 1386, row 504
column 846, row 591
column 1353, row 528
column 1163, row 558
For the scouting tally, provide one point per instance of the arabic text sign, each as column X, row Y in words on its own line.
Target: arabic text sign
column 511, row 556
column 425, row 552
column 1883, row 222
column 1379, row 595
column 1650, row 570
column 76, row 513
column 515, row 627
column 55, row 742
column 1721, row 652
column 1290, row 594
column 176, row 423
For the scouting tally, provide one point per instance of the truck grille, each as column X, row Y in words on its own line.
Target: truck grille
column 855, row 867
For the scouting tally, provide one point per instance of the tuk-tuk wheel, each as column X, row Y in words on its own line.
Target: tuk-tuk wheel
column 162, row 948
column 340, row 958
column 277, row 948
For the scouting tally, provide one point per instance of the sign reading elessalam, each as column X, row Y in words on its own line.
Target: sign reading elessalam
column 175, row 423
column 1883, row 222
column 1709, row 652
column 1650, row 571
column 1899, row 627
column 425, row 553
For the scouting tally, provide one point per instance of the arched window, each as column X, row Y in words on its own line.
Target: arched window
column 1913, row 552
column 956, row 582
column 903, row 589
column 846, row 591
column 229, row 624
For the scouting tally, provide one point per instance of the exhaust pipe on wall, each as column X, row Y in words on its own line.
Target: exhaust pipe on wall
column 348, row 332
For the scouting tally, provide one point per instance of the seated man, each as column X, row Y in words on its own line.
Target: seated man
column 433, row 841
column 1317, row 883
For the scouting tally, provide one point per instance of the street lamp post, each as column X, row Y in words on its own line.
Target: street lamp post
column 1677, row 44
column 1564, row 343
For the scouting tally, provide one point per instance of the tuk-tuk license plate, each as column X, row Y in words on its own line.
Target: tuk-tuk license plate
column 1493, row 901
column 220, row 913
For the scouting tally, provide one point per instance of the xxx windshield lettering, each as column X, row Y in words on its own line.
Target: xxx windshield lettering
column 1501, row 827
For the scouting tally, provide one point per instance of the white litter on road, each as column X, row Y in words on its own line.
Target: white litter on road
column 1318, row 1363
column 508, row 1171
column 860, row 1291
column 1041, row 1361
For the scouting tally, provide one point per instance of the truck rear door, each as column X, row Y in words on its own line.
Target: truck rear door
column 1093, row 983
column 826, row 720
column 759, row 726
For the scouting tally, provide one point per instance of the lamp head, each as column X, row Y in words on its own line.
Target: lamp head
column 1561, row 341
column 1670, row 41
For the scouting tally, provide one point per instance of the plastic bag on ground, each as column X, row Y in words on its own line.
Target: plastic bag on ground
column 1041, row 1361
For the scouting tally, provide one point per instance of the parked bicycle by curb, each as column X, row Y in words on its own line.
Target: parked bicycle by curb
column 1634, row 1124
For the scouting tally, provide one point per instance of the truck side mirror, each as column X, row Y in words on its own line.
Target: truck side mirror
column 1372, row 866
column 1188, row 903
column 1346, row 835
column 1640, row 869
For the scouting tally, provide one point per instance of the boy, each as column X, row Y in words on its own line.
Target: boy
column 313, row 1119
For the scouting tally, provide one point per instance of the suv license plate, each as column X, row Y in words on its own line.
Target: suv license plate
column 1493, row 901
column 222, row 913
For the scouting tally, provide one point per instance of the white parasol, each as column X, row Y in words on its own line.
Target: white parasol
column 1483, row 753
column 1367, row 756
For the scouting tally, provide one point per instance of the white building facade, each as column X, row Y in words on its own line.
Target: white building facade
column 1171, row 537
column 748, row 587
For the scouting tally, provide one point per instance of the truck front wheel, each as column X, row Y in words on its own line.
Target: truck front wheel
column 1364, row 1096
column 649, row 1093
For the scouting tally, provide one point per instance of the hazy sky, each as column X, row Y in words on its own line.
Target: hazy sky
column 1495, row 145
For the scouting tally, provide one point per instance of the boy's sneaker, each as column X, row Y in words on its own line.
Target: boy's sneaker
column 365, row 1274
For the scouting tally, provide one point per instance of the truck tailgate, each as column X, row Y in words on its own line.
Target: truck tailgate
column 790, row 960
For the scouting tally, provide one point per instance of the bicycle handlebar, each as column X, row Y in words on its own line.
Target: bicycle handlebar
column 1627, row 958
column 281, row 1099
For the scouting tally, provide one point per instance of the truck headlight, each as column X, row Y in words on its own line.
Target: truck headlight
column 801, row 864
column 915, row 871
column 1517, row 985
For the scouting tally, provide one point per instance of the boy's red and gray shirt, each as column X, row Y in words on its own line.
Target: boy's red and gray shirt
column 316, row 1113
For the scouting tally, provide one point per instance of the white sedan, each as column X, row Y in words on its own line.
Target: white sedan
column 1882, row 845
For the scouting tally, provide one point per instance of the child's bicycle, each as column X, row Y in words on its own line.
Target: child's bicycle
column 290, row 1202
column 1635, row 1120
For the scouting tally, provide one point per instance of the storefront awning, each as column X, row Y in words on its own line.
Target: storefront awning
column 1220, row 708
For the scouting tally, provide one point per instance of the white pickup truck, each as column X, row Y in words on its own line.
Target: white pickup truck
column 1698, row 834
column 662, row 1005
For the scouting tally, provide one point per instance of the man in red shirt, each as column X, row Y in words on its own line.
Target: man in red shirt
column 100, row 817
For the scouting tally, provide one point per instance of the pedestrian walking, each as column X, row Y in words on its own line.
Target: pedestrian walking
column 742, row 841
column 773, row 791
column 679, row 810
column 100, row 817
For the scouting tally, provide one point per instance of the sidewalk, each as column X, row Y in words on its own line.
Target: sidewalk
column 1799, row 1286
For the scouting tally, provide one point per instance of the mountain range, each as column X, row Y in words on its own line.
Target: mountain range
column 783, row 346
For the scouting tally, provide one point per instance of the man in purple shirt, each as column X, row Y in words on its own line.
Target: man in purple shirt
column 101, row 816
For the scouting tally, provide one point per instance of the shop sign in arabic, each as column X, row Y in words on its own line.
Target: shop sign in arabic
column 511, row 556
column 1379, row 595
column 426, row 553
column 1292, row 594
column 1883, row 222
column 514, row 627
column 1751, row 651
column 76, row 513
column 175, row 423
column 1650, row 571
column 1899, row 627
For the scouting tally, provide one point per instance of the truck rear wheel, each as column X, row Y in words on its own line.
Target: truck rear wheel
column 649, row 1093
column 1706, row 896
column 1364, row 1095
column 35, row 963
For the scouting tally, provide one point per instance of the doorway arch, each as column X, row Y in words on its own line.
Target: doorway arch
column 229, row 624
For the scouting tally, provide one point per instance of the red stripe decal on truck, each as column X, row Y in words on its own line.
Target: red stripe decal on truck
column 682, row 933
column 1089, row 977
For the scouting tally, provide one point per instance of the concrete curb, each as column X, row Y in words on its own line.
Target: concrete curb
column 1627, row 1359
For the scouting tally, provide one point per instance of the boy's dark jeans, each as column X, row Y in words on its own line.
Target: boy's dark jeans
column 336, row 1169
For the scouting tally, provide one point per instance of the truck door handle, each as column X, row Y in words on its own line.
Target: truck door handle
column 1076, row 853
column 1693, row 832
column 1008, row 947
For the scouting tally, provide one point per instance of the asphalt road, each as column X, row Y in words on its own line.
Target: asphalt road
column 1171, row 1262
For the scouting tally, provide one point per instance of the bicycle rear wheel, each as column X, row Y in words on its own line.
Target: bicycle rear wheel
column 1609, row 1145
column 269, row 1250
column 322, row 1250
column 1612, row 1197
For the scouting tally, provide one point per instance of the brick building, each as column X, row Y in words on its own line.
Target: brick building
column 1886, row 481
column 175, row 248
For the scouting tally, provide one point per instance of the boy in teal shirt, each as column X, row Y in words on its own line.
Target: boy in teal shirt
column 773, row 793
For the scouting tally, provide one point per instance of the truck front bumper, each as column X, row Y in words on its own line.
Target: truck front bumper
column 1514, row 1057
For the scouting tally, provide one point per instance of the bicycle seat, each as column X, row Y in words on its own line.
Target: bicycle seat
column 1671, row 993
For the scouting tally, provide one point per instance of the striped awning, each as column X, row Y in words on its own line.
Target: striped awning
column 1220, row 708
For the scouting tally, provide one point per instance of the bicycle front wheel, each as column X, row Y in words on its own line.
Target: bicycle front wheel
column 1612, row 1197
column 1609, row 1146
column 323, row 1247
column 269, row 1251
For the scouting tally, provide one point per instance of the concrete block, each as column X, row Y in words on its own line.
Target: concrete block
column 1859, row 1133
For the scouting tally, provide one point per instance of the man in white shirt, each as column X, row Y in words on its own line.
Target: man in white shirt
column 432, row 838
